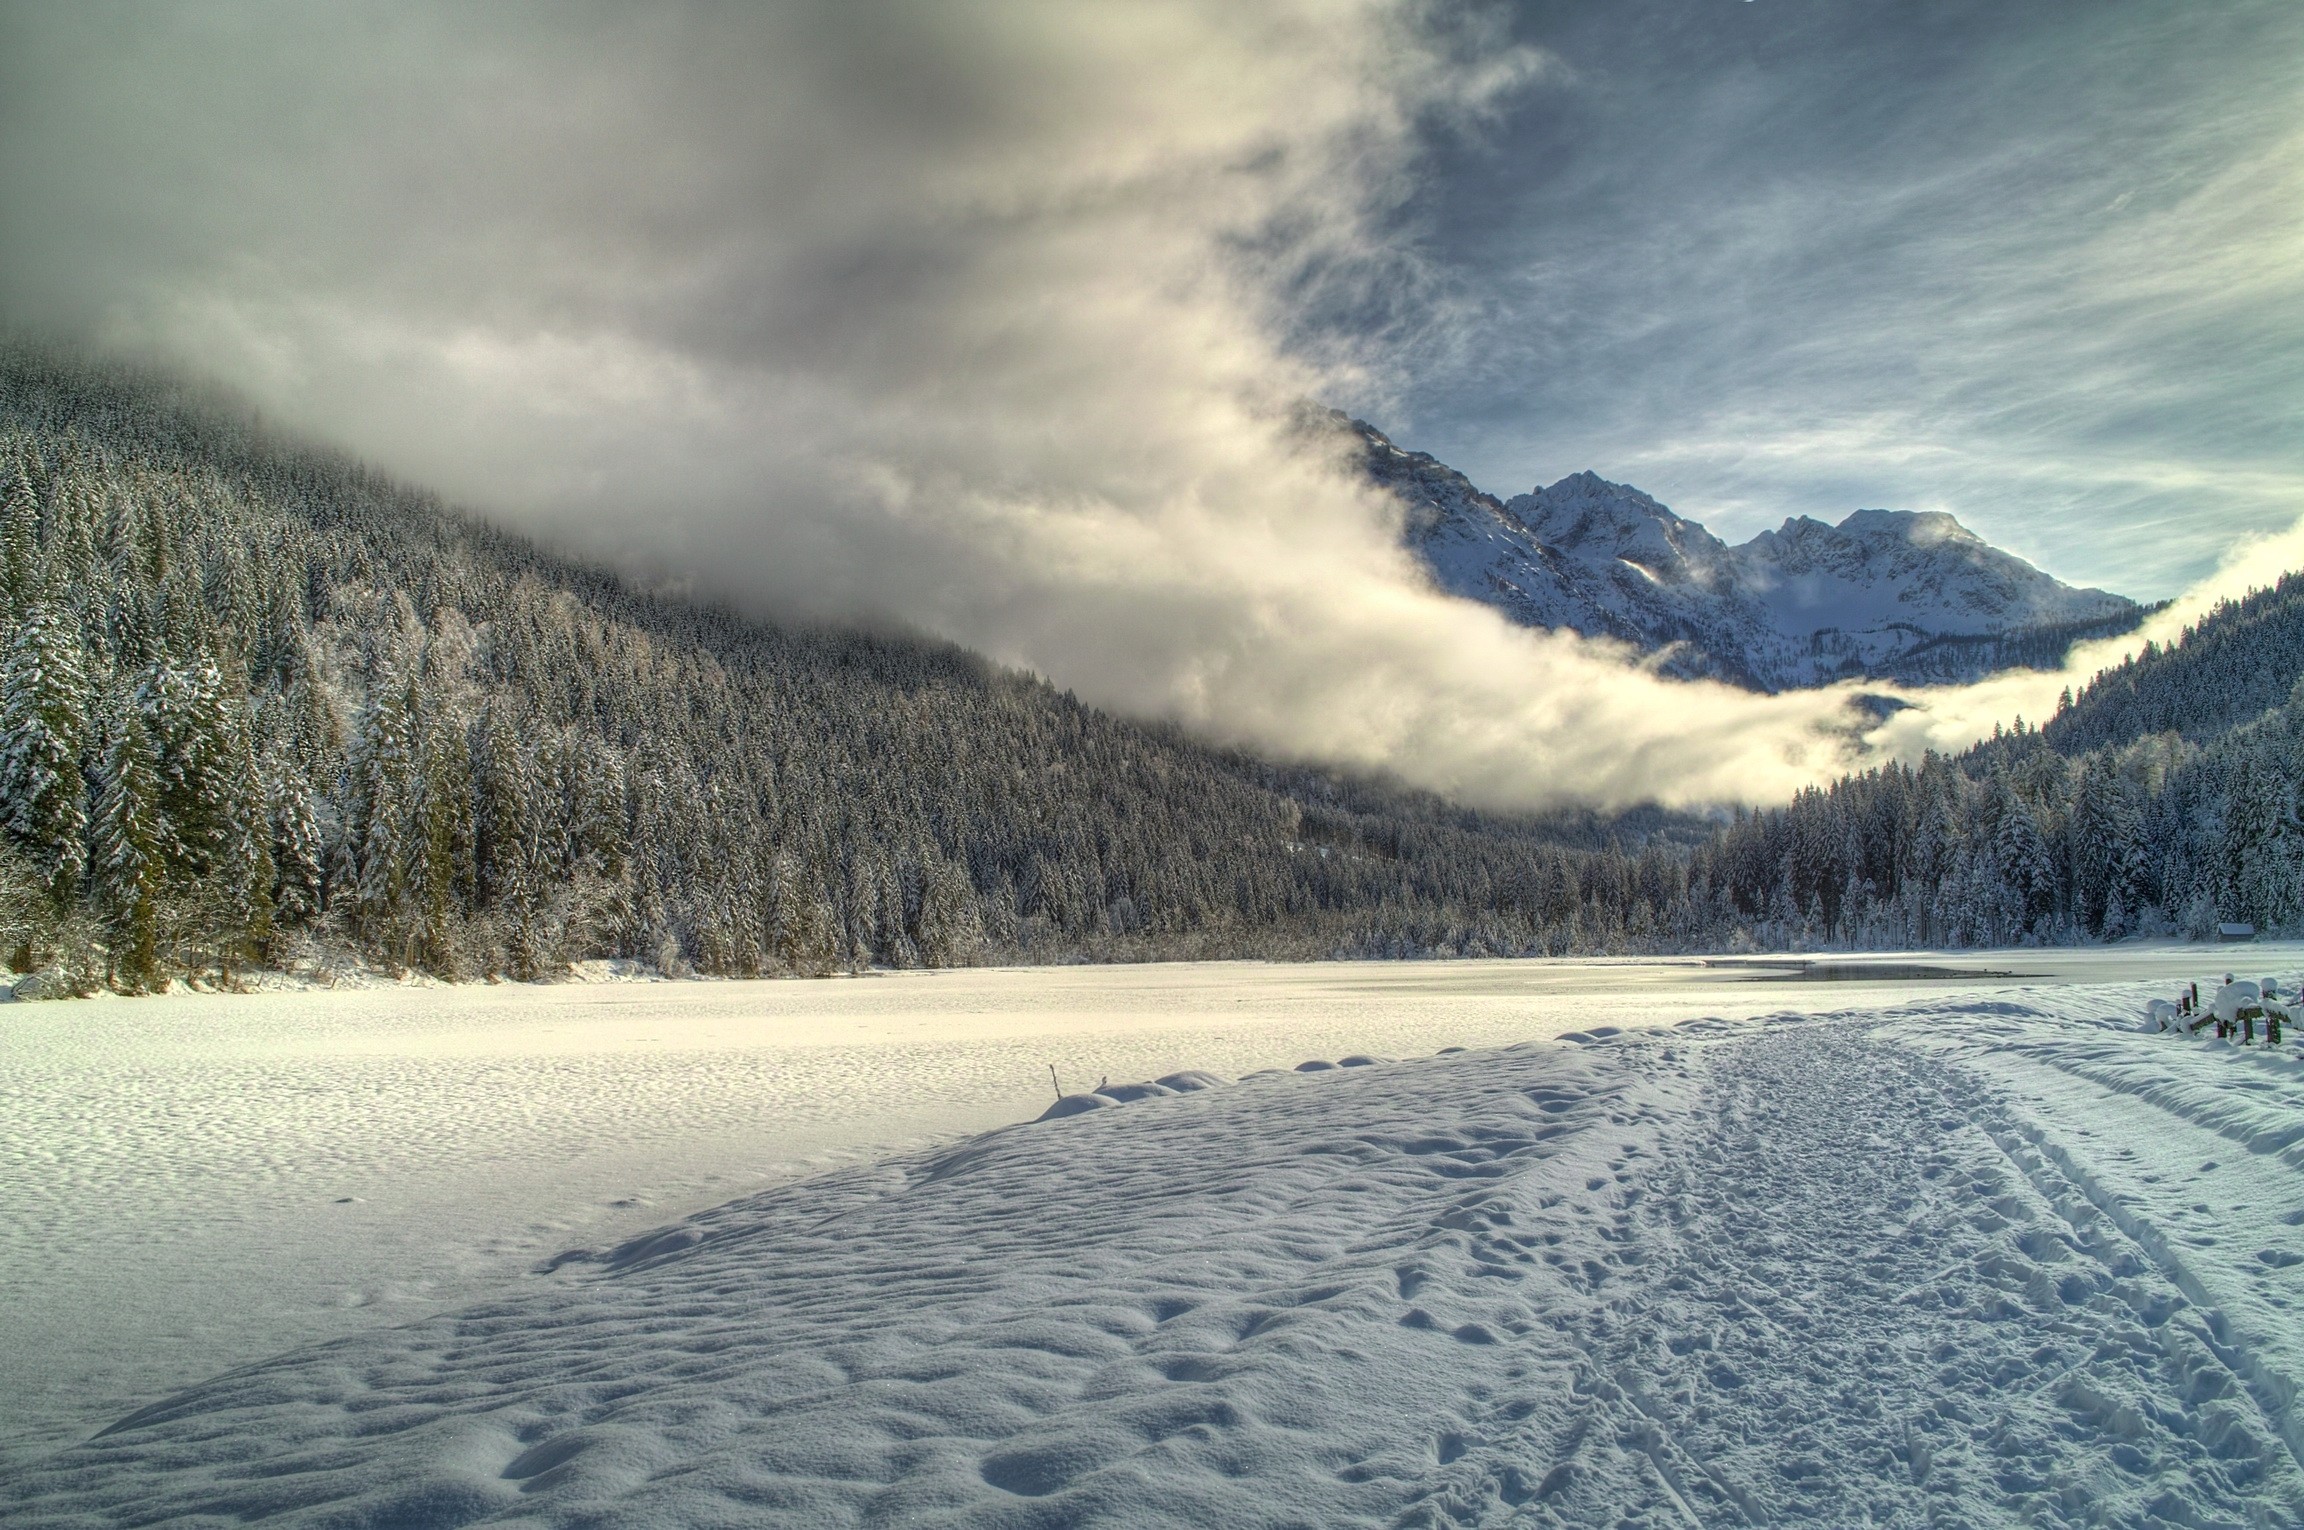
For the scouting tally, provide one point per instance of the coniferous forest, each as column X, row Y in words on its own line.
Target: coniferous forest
column 2162, row 800
column 261, row 706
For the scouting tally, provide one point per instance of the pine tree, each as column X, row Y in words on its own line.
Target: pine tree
column 245, row 870
column 383, row 785
column 2026, row 869
column 439, row 844
column 2259, row 852
column 2099, row 844
column 127, row 868
column 951, row 932
column 2125, row 871
column 806, row 942
column 19, row 540
column 183, row 723
column 299, row 849
column 504, row 814
column 43, row 728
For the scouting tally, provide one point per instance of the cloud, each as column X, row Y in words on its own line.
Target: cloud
column 987, row 321
column 1950, row 718
column 969, row 320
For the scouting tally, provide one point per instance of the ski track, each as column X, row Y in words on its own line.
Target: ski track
column 1926, row 1268
column 1889, row 1311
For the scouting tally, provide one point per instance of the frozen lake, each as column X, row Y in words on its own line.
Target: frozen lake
column 195, row 1182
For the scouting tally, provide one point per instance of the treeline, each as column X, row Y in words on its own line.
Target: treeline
column 259, row 705
column 1956, row 658
column 2166, row 798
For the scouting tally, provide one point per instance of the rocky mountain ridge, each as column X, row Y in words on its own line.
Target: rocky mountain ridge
column 1884, row 594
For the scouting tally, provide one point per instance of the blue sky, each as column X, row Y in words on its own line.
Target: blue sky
column 2038, row 265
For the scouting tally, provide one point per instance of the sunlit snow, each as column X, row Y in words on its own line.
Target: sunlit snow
column 1893, row 1249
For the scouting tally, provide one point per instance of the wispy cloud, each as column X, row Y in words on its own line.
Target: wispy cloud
column 2040, row 266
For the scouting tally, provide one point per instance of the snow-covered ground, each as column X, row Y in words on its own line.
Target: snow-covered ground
column 1970, row 1252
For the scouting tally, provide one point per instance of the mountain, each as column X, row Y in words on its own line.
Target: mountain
column 1884, row 594
column 259, row 703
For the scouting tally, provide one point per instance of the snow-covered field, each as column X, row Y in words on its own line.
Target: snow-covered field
column 1894, row 1253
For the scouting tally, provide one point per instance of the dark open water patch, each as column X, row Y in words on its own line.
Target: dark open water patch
column 1796, row 970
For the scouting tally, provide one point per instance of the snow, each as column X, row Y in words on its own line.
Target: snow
column 1794, row 605
column 194, row 1182
column 1799, row 605
column 1657, row 1249
column 2231, row 997
column 1075, row 1104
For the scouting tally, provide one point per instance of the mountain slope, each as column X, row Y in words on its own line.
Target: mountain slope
column 2237, row 663
column 1802, row 605
column 2162, row 800
column 260, row 702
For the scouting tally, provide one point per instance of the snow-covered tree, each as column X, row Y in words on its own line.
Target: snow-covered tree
column 43, row 729
column 2259, row 843
column 2025, row 867
column 383, row 787
column 299, row 849
column 127, row 864
column 951, row 930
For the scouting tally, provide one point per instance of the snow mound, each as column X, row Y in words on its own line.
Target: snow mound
column 46, row 984
column 613, row 970
column 1077, row 1104
column 2232, row 998
column 1107, row 1095
column 1127, row 1093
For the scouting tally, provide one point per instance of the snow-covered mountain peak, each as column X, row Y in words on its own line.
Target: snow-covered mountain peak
column 1804, row 604
column 1920, row 528
column 1587, row 515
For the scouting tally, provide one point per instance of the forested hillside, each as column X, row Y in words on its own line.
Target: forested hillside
column 1954, row 659
column 261, row 705
column 2163, row 799
column 2236, row 665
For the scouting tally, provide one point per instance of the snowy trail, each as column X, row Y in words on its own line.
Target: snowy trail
column 1926, row 1267
column 1881, row 1307
column 2201, row 1167
column 193, row 1183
